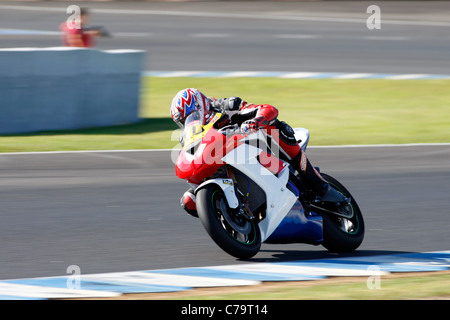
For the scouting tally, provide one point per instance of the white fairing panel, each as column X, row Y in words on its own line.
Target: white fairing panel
column 227, row 186
column 302, row 135
column 279, row 199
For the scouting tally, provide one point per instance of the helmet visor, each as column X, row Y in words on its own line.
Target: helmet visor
column 195, row 117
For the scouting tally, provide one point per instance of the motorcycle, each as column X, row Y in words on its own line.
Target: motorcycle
column 248, row 194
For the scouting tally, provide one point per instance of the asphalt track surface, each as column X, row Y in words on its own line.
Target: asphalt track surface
column 119, row 211
column 253, row 36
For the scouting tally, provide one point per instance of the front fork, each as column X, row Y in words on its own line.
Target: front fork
column 236, row 202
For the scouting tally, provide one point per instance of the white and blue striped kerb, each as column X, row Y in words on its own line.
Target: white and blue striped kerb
column 292, row 75
column 182, row 279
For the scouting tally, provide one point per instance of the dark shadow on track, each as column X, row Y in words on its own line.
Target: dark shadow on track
column 143, row 126
column 301, row 255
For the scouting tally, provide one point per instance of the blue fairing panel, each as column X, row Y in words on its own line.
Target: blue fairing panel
column 298, row 228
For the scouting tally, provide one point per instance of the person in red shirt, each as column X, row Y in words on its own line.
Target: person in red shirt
column 79, row 37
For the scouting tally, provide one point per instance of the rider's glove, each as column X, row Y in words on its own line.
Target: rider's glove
column 234, row 103
column 250, row 126
column 230, row 104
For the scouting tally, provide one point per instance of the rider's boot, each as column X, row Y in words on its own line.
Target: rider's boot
column 321, row 188
column 285, row 137
column 187, row 202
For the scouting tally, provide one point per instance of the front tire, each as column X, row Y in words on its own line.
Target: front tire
column 240, row 238
column 341, row 234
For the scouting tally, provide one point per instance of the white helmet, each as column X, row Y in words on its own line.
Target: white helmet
column 185, row 102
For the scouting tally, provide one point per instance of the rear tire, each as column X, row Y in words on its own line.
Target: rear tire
column 212, row 208
column 341, row 234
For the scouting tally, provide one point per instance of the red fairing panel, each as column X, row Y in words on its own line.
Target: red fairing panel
column 271, row 163
column 207, row 158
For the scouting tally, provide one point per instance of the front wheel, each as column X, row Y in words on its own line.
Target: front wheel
column 235, row 234
column 341, row 234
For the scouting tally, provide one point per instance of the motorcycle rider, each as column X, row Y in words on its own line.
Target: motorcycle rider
column 251, row 117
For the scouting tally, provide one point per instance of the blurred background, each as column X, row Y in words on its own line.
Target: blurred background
column 329, row 36
column 268, row 36
column 119, row 211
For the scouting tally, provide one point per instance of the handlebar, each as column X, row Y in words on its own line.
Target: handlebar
column 230, row 129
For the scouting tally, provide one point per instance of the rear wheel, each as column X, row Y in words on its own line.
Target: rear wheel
column 235, row 234
column 341, row 234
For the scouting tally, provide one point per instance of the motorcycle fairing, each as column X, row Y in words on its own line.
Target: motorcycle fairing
column 202, row 151
column 302, row 137
column 279, row 199
column 285, row 220
column 227, row 187
column 296, row 227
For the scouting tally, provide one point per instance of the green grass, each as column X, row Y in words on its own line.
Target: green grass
column 335, row 111
column 411, row 287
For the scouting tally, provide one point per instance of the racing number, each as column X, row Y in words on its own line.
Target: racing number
column 192, row 132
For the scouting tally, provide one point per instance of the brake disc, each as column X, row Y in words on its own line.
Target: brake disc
column 241, row 225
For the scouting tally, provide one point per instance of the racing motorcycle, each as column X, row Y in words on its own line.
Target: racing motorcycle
column 247, row 194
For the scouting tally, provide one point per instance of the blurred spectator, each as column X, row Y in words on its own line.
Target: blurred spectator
column 80, row 37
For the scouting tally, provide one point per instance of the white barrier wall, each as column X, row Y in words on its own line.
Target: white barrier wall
column 68, row 88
